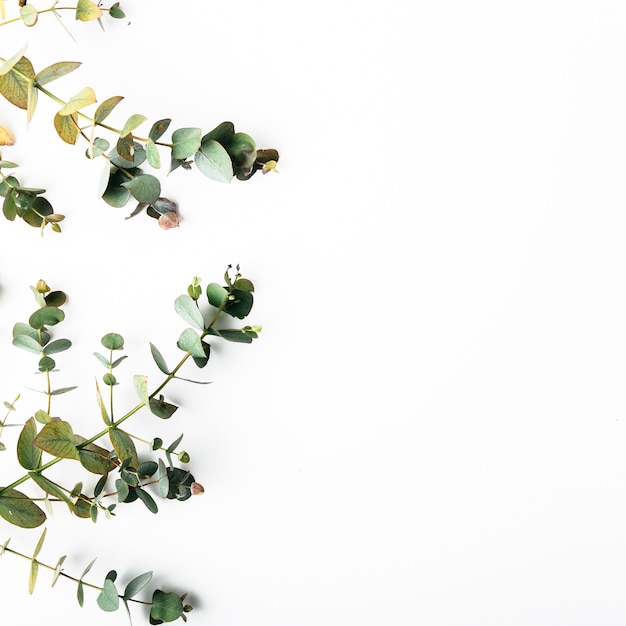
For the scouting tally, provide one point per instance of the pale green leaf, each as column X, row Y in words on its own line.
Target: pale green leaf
column 186, row 307
column 11, row 62
column 214, row 162
column 54, row 71
column 83, row 98
column 134, row 121
column 87, row 10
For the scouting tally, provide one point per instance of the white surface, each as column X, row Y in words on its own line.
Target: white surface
column 430, row 430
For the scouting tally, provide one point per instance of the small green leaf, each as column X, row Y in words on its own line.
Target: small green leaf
column 27, row 343
column 189, row 341
column 105, row 108
column 158, row 359
column 124, row 446
column 59, row 345
column 103, row 410
column 147, row 499
column 55, row 298
column 28, row 455
column 20, row 510
column 158, row 129
column 54, row 71
column 162, row 409
column 134, row 121
column 109, row 379
column 108, row 600
column 83, row 98
column 94, row 458
column 61, row 390
column 166, row 607
column 57, row 570
column 187, row 308
column 136, row 585
column 32, row 578
column 152, row 154
column 141, row 387
column 222, row 133
column 113, row 341
column 186, row 142
column 216, row 295
column 144, row 188
column 116, row 12
column 28, row 13
column 214, row 162
column 57, row 438
column 239, row 304
column 46, row 364
column 242, row 150
column 49, row 487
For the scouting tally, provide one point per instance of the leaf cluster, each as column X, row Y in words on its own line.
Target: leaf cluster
column 123, row 473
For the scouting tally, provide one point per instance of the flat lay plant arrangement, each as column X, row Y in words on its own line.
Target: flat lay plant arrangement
column 221, row 154
column 113, row 467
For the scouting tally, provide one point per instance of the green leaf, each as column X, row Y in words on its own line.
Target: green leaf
column 214, row 162
column 134, row 121
column 59, row 345
column 103, row 410
column 124, row 446
column 83, row 98
column 152, row 154
column 116, row 12
column 28, row 455
column 144, row 188
column 57, row 438
column 186, row 142
column 28, row 13
column 55, row 298
column 94, row 458
column 54, row 71
column 136, row 585
column 105, row 108
column 141, row 387
column 62, row 390
column 87, row 10
column 47, row 316
column 18, row 509
column 147, row 499
column 187, row 308
column 236, row 335
column 122, row 490
column 9, row 206
column 189, row 341
column 67, row 127
column 97, row 148
column 242, row 150
column 12, row 61
column 46, row 364
column 32, row 578
column 159, row 128
column 112, row 341
column 158, row 359
column 15, row 84
column 222, row 133
column 240, row 304
column 162, row 409
column 243, row 284
column 166, row 607
column 57, row 570
column 216, row 295
column 108, row 600
column 27, row 343
column 49, row 487
column 164, row 481
column 114, row 194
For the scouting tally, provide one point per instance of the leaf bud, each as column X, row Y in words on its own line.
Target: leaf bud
column 42, row 286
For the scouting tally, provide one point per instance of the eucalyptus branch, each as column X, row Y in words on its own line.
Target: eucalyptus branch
column 164, row 606
column 220, row 154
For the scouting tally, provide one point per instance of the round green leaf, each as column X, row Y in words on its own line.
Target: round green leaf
column 185, row 142
column 47, row 316
column 216, row 294
column 112, row 341
column 214, row 162
column 144, row 188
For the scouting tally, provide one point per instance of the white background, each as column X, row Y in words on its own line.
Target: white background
column 430, row 430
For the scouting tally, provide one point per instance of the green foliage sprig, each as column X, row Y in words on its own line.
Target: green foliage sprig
column 123, row 474
column 220, row 154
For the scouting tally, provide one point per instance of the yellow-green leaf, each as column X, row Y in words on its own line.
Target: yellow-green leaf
column 87, row 10
column 28, row 13
column 56, row 70
column 8, row 65
column 32, row 579
column 31, row 104
column 105, row 108
column 6, row 138
column 15, row 83
column 83, row 98
column 67, row 127
column 133, row 122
